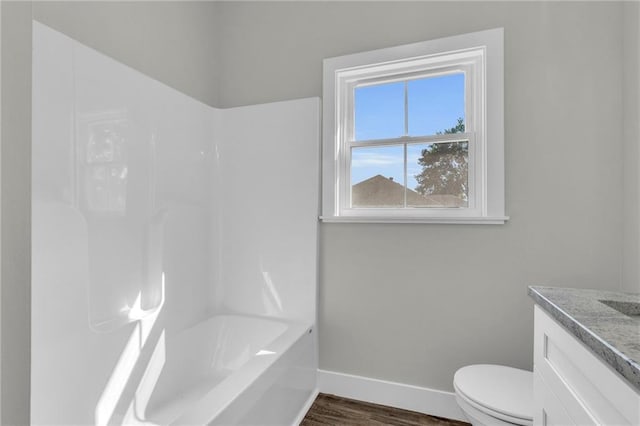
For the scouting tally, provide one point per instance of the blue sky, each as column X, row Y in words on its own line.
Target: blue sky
column 434, row 104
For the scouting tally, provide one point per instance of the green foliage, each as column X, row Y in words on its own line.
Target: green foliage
column 445, row 166
column 458, row 128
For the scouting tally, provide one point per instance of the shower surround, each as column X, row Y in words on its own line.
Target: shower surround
column 174, row 249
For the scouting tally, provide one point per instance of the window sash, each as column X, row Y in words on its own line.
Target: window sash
column 470, row 71
column 345, row 192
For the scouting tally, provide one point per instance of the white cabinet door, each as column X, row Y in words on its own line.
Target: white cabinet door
column 589, row 390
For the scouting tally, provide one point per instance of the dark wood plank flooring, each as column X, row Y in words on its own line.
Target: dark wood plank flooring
column 331, row 410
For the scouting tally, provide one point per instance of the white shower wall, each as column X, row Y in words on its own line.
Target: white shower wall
column 152, row 212
column 269, row 186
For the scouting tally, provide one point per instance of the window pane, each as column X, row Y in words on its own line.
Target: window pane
column 379, row 111
column 377, row 176
column 438, row 175
column 436, row 105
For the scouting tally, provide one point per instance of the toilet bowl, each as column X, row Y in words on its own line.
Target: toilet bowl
column 495, row 395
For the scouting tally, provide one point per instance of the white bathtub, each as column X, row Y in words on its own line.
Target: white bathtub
column 230, row 369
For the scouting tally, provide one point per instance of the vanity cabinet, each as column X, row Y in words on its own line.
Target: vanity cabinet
column 574, row 387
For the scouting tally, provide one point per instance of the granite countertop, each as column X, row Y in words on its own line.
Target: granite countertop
column 611, row 335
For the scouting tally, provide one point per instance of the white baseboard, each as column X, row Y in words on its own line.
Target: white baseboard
column 305, row 407
column 408, row 397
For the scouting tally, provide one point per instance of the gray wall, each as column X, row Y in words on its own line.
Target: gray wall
column 173, row 42
column 15, row 201
column 412, row 303
column 631, row 147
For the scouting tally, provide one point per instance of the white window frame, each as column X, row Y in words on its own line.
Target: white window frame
column 480, row 56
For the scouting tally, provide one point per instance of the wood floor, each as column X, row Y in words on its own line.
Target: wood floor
column 331, row 410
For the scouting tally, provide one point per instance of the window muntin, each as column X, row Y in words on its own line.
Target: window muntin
column 472, row 61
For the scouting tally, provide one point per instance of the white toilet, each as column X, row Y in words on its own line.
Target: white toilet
column 495, row 395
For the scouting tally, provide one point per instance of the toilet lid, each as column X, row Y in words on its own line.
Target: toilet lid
column 505, row 390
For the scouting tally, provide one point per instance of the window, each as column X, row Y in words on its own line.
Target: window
column 415, row 133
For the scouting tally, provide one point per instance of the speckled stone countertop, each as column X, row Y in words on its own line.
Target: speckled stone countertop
column 611, row 335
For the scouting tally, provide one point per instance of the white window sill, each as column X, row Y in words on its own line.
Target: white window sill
column 494, row 220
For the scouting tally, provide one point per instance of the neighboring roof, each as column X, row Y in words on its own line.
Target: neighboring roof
column 379, row 191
